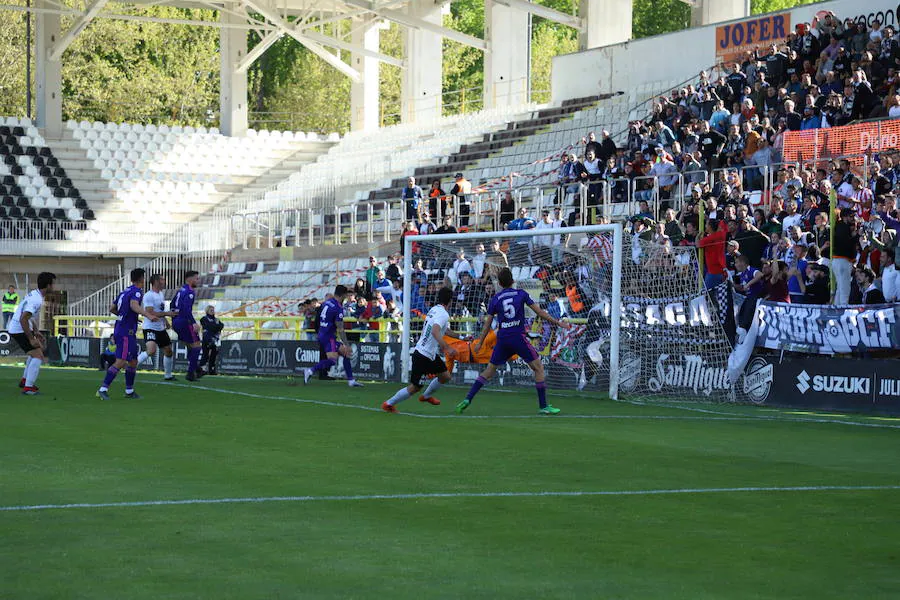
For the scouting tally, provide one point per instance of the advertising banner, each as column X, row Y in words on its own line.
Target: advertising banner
column 824, row 329
column 856, row 139
column 9, row 347
column 74, row 351
column 371, row 361
column 823, row 383
column 734, row 39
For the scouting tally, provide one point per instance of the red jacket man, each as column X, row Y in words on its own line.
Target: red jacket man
column 713, row 244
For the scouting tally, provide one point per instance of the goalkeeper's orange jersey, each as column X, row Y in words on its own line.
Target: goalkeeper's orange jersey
column 465, row 352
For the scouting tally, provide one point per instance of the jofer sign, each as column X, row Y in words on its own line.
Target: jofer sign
column 734, row 39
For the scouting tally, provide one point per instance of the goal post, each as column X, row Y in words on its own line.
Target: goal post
column 545, row 262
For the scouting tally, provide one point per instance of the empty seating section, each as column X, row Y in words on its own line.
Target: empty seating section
column 34, row 187
column 366, row 160
column 183, row 169
column 277, row 288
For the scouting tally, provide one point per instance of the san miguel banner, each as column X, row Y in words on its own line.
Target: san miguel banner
column 815, row 329
column 734, row 39
column 856, row 139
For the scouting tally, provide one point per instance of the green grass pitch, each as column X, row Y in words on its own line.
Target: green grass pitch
column 499, row 503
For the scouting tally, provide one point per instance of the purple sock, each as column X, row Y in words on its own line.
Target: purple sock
column 479, row 383
column 130, row 374
column 110, row 375
column 542, row 393
column 348, row 369
column 323, row 365
column 193, row 357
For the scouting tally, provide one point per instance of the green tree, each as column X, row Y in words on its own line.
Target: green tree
column 764, row 6
column 12, row 62
column 654, row 17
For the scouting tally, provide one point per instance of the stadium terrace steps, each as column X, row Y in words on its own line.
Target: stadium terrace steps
column 177, row 174
column 469, row 156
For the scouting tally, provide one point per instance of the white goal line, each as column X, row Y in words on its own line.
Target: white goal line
column 453, row 495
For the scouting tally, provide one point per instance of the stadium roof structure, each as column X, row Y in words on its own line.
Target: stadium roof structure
column 506, row 45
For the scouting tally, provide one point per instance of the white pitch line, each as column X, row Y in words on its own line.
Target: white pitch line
column 725, row 416
column 452, row 495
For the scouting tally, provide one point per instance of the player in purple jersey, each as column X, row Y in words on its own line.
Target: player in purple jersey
column 332, row 339
column 127, row 308
column 185, row 325
column 507, row 307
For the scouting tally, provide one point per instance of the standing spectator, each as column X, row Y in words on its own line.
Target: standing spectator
column 890, row 277
column 447, row 227
column 507, row 209
column 541, row 251
column 559, row 241
column 10, row 302
column 409, row 228
column 360, row 288
column 372, row 274
column 461, row 265
column 607, row 147
column 751, row 286
column 212, row 328
column 711, row 143
column 426, row 227
column 591, row 143
column 672, row 228
column 776, row 282
column 821, row 237
column 478, row 260
column 412, row 196
column 713, row 244
column 865, row 278
column 796, row 271
column 394, row 271
column 462, row 189
column 843, row 254
column 437, row 200
column 815, row 284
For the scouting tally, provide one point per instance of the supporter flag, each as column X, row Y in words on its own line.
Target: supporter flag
column 723, row 296
column 563, row 350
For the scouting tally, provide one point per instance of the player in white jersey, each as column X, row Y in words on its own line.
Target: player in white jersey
column 426, row 359
column 155, row 334
column 23, row 327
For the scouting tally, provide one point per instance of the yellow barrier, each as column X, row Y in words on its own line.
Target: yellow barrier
column 95, row 324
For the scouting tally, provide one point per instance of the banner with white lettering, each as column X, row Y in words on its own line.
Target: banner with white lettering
column 821, row 329
column 823, row 383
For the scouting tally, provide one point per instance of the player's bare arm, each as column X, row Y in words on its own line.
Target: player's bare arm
column 136, row 307
column 342, row 337
column 33, row 336
column 113, row 309
column 546, row 316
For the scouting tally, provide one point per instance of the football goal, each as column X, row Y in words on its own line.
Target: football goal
column 642, row 326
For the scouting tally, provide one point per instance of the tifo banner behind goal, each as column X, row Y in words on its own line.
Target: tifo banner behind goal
column 642, row 325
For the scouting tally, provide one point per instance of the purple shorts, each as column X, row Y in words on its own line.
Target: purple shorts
column 186, row 332
column 126, row 347
column 506, row 348
column 329, row 344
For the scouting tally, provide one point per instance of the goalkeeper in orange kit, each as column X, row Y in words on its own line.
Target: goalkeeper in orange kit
column 464, row 351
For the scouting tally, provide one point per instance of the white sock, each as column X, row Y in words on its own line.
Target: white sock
column 142, row 357
column 399, row 397
column 27, row 362
column 169, row 364
column 432, row 387
column 31, row 372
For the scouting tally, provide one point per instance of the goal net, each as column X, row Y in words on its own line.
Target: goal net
column 643, row 326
